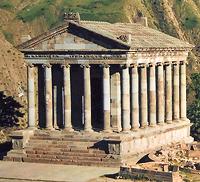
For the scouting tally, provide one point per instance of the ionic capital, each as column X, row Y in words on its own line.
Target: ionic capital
column 159, row 64
column 151, row 64
column 47, row 65
column 85, row 66
column 142, row 65
column 175, row 62
column 30, row 65
column 124, row 66
column 104, row 65
column 134, row 65
column 65, row 66
column 167, row 63
column 183, row 62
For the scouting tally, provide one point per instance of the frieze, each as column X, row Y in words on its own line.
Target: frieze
column 77, row 57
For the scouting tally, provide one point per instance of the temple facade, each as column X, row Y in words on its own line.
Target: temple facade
column 122, row 82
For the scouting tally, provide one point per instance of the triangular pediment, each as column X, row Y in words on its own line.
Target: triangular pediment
column 72, row 37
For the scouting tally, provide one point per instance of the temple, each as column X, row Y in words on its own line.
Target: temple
column 118, row 90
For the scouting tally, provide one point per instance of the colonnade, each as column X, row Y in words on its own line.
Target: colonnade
column 151, row 94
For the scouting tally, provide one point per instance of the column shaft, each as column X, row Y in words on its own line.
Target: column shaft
column 48, row 96
column 55, row 110
column 67, row 98
column 135, row 99
column 160, row 94
column 106, row 97
column 176, row 92
column 125, row 99
column 31, row 96
column 183, row 92
column 152, row 95
column 143, row 95
column 168, row 93
column 87, row 99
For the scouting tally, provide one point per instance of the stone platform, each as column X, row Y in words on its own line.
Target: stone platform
column 94, row 148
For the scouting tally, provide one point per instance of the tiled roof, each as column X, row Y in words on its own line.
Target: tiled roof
column 141, row 37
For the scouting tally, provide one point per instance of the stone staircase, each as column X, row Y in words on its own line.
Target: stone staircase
column 68, row 149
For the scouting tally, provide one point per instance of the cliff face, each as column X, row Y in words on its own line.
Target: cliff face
column 179, row 18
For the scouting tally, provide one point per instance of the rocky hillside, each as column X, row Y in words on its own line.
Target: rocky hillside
column 12, row 85
column 179, row 18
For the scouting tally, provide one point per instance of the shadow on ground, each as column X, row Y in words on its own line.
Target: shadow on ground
column 9, row 111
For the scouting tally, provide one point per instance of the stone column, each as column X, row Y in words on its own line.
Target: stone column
column 125, row 99
column 168, row 93
column 143, row 96
column 31, row 96
column 48, row 96
column 67, row 98
column 134, row 98
column 176, row 114
column 152, row 95
column 183, row 99
column 55, row 110
column 106, row 98
column 87, row 99
column 160, row 94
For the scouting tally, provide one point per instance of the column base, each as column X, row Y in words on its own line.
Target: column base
column 135, row 128
column 169, row 122
column 152, row 125
column 68, row 129
column 107, row 131
column 31, row 128
column 88, row 130
column 50, row 129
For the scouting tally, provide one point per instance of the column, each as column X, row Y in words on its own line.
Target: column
column 160, row 94
column 183, row 99
column 48, row 96
column 134, row 98
column 67, row 98
column 168, row 93
column 125, row 99
column 143, row 96
column 176, row 91
column 31, row 96
column 106, row 98
column 87, row 99
column 55, row 110
column 152, row 95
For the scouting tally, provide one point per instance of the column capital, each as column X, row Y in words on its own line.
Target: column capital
column 151, row 64
column 124, row 65
column 167, row 63
column 142, row 65
column 85, row 66
column 105, row 65
column 183, row 62
column 47, row 65
column 133, row 65
column 30, row 65
column 65, row 66
column 175, row 62
column 159, row 64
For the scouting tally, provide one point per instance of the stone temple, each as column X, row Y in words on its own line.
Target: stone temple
column 102, row 94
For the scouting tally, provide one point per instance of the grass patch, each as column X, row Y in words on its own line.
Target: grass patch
column 8, row 36
column 43, row 8
column 6, row 4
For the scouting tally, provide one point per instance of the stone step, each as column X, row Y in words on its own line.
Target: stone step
column 68, row 157
column 70, row 153
column 72, row 162
column 78, row 139
column 52, row 142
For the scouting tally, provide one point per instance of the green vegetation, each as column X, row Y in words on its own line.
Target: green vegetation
column 43, row 8
column 9, row 36
column 188, row 16
column 194, row 108
column 6, row 4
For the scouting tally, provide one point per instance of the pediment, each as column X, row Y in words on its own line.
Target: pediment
column 72, row 37
column 66, row 41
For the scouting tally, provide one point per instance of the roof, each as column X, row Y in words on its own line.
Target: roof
column 141, row 37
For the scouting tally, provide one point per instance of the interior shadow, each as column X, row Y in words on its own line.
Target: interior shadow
column 4, row 148
column 9, row 111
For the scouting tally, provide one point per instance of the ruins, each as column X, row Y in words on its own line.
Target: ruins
column 118, row 90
